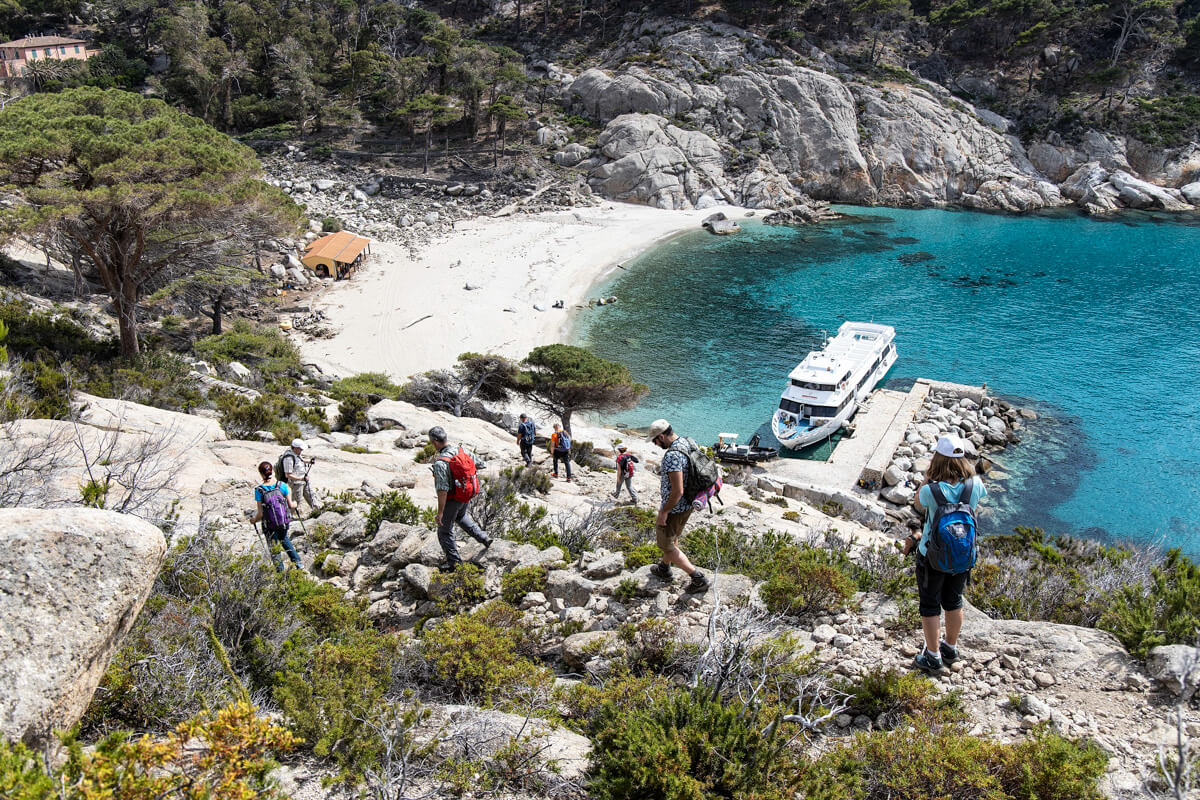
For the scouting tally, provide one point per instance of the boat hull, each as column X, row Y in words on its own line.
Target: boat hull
column 792, row 437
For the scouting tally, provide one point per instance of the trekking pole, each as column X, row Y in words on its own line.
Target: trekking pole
column 262, row 538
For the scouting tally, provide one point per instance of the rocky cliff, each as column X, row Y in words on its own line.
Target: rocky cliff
column 72, row 581
column 697, row 114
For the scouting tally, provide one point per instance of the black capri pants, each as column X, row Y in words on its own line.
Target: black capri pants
column 939, row 591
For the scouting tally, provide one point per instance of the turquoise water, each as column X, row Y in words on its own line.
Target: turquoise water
column 1095, row 324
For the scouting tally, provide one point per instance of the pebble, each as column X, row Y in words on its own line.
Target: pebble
column 1043, row 679
column 841, row 641
column 823, row 634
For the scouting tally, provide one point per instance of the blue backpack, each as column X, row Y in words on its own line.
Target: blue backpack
column 564, row 442
column 951, row 546
column 275, row 510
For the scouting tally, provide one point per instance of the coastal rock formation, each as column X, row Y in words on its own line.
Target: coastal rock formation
column 72, row 581
column 802, row 123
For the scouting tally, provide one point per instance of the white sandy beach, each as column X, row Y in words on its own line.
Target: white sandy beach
column 402, row 315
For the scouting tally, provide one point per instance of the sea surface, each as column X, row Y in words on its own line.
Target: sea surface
column 1094, row 324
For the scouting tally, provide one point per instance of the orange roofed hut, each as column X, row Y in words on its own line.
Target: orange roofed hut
column 336, row 255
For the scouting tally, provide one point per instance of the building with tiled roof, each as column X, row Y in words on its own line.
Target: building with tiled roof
column 17, row 55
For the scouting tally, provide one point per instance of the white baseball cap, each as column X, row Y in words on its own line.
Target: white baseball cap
column 951, row 447
column 299, row 443
column 657, row 428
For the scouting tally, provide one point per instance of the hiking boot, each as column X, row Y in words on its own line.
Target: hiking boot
column 928, row 662
column 699, row 583
column 487, row 542
column 949, row 653
column 447, row 568
column 661, row 571
column 553, row 474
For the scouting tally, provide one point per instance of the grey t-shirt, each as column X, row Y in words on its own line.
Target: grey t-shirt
column 293, row 465
column 674, row 460
column 442, row 482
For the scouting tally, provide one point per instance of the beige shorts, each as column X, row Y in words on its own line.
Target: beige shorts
column 667, row 535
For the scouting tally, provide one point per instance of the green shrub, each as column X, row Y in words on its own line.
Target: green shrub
column 285, row 431
column 520, row 581
column 724, row 546
column 653, row 645
column 330, row 224
column 329, row 694
column 583, row 702
column 352, row 414
column 426, row 453
column 792, row 516
column 458, row 590
column 918, row 762
column 392, row 507
column 1167, row 611
column 266, row 349
column 242, row 418
column 776, row 500
column 898, row 695
column 477, row 655
column 528, row 480
column 626, row 590
column 375, row 385
column 689, row 746
column 642, row 555
column 805, row 583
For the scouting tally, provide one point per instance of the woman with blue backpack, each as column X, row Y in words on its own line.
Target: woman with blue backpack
column 273, row 499
column 946, row 548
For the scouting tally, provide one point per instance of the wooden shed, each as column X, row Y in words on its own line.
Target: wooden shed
column 336, row 255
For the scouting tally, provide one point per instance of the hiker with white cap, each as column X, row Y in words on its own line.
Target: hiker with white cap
column 945, row 547
column 675, row 509
column 625, row 462
column 293, row 469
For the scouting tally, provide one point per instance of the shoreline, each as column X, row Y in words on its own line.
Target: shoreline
column 481, row 283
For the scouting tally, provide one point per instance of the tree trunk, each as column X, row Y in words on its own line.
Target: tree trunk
column 126, row 305
column 565, row 417
column 518, row 20
column 428, row 139
column 217, row 309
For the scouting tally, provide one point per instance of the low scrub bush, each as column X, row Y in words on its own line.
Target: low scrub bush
column 458, row 590
column 478, row 655
column 265, row 349
column 642, row 555
column 374, row 385
column 426, row 454
column 918, row 762
column 352, row 414
column 889, row 697
column 1141, row 597
column 242, row 418
column 520, row 581
column 805, row 582
column 392, row 507
column 689, row 746
column 226, row 754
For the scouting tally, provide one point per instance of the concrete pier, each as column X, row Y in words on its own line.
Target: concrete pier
column 879, row 427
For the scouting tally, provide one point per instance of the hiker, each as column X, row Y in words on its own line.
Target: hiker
column 675, row 509
column 456, row 481
column 945, row 548
column 294, row 469
column 625, row 462
column 560, row 448
column 526, row 432
column 274, row 498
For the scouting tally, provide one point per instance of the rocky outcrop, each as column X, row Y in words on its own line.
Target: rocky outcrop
column 72, row 582
column 775, row 123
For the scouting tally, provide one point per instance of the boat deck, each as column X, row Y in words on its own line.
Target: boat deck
column 879, row 427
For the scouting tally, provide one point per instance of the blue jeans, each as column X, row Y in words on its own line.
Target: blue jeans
column 280, row 537
column 527, row 452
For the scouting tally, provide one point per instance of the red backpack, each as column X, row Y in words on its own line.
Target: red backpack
column 625, row 464
column 463, row 474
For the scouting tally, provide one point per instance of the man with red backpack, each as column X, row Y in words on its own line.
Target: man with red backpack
column 456, row 480
column 625, row 462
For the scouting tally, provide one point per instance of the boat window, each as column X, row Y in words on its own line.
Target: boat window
column 815, row 387
column 790, row 406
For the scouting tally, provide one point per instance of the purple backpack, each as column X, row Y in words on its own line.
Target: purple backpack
column 275, row 511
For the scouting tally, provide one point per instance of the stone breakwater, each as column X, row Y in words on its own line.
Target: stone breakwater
column 985, row 423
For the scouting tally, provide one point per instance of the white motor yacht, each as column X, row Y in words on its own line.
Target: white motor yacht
column 826, row 388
